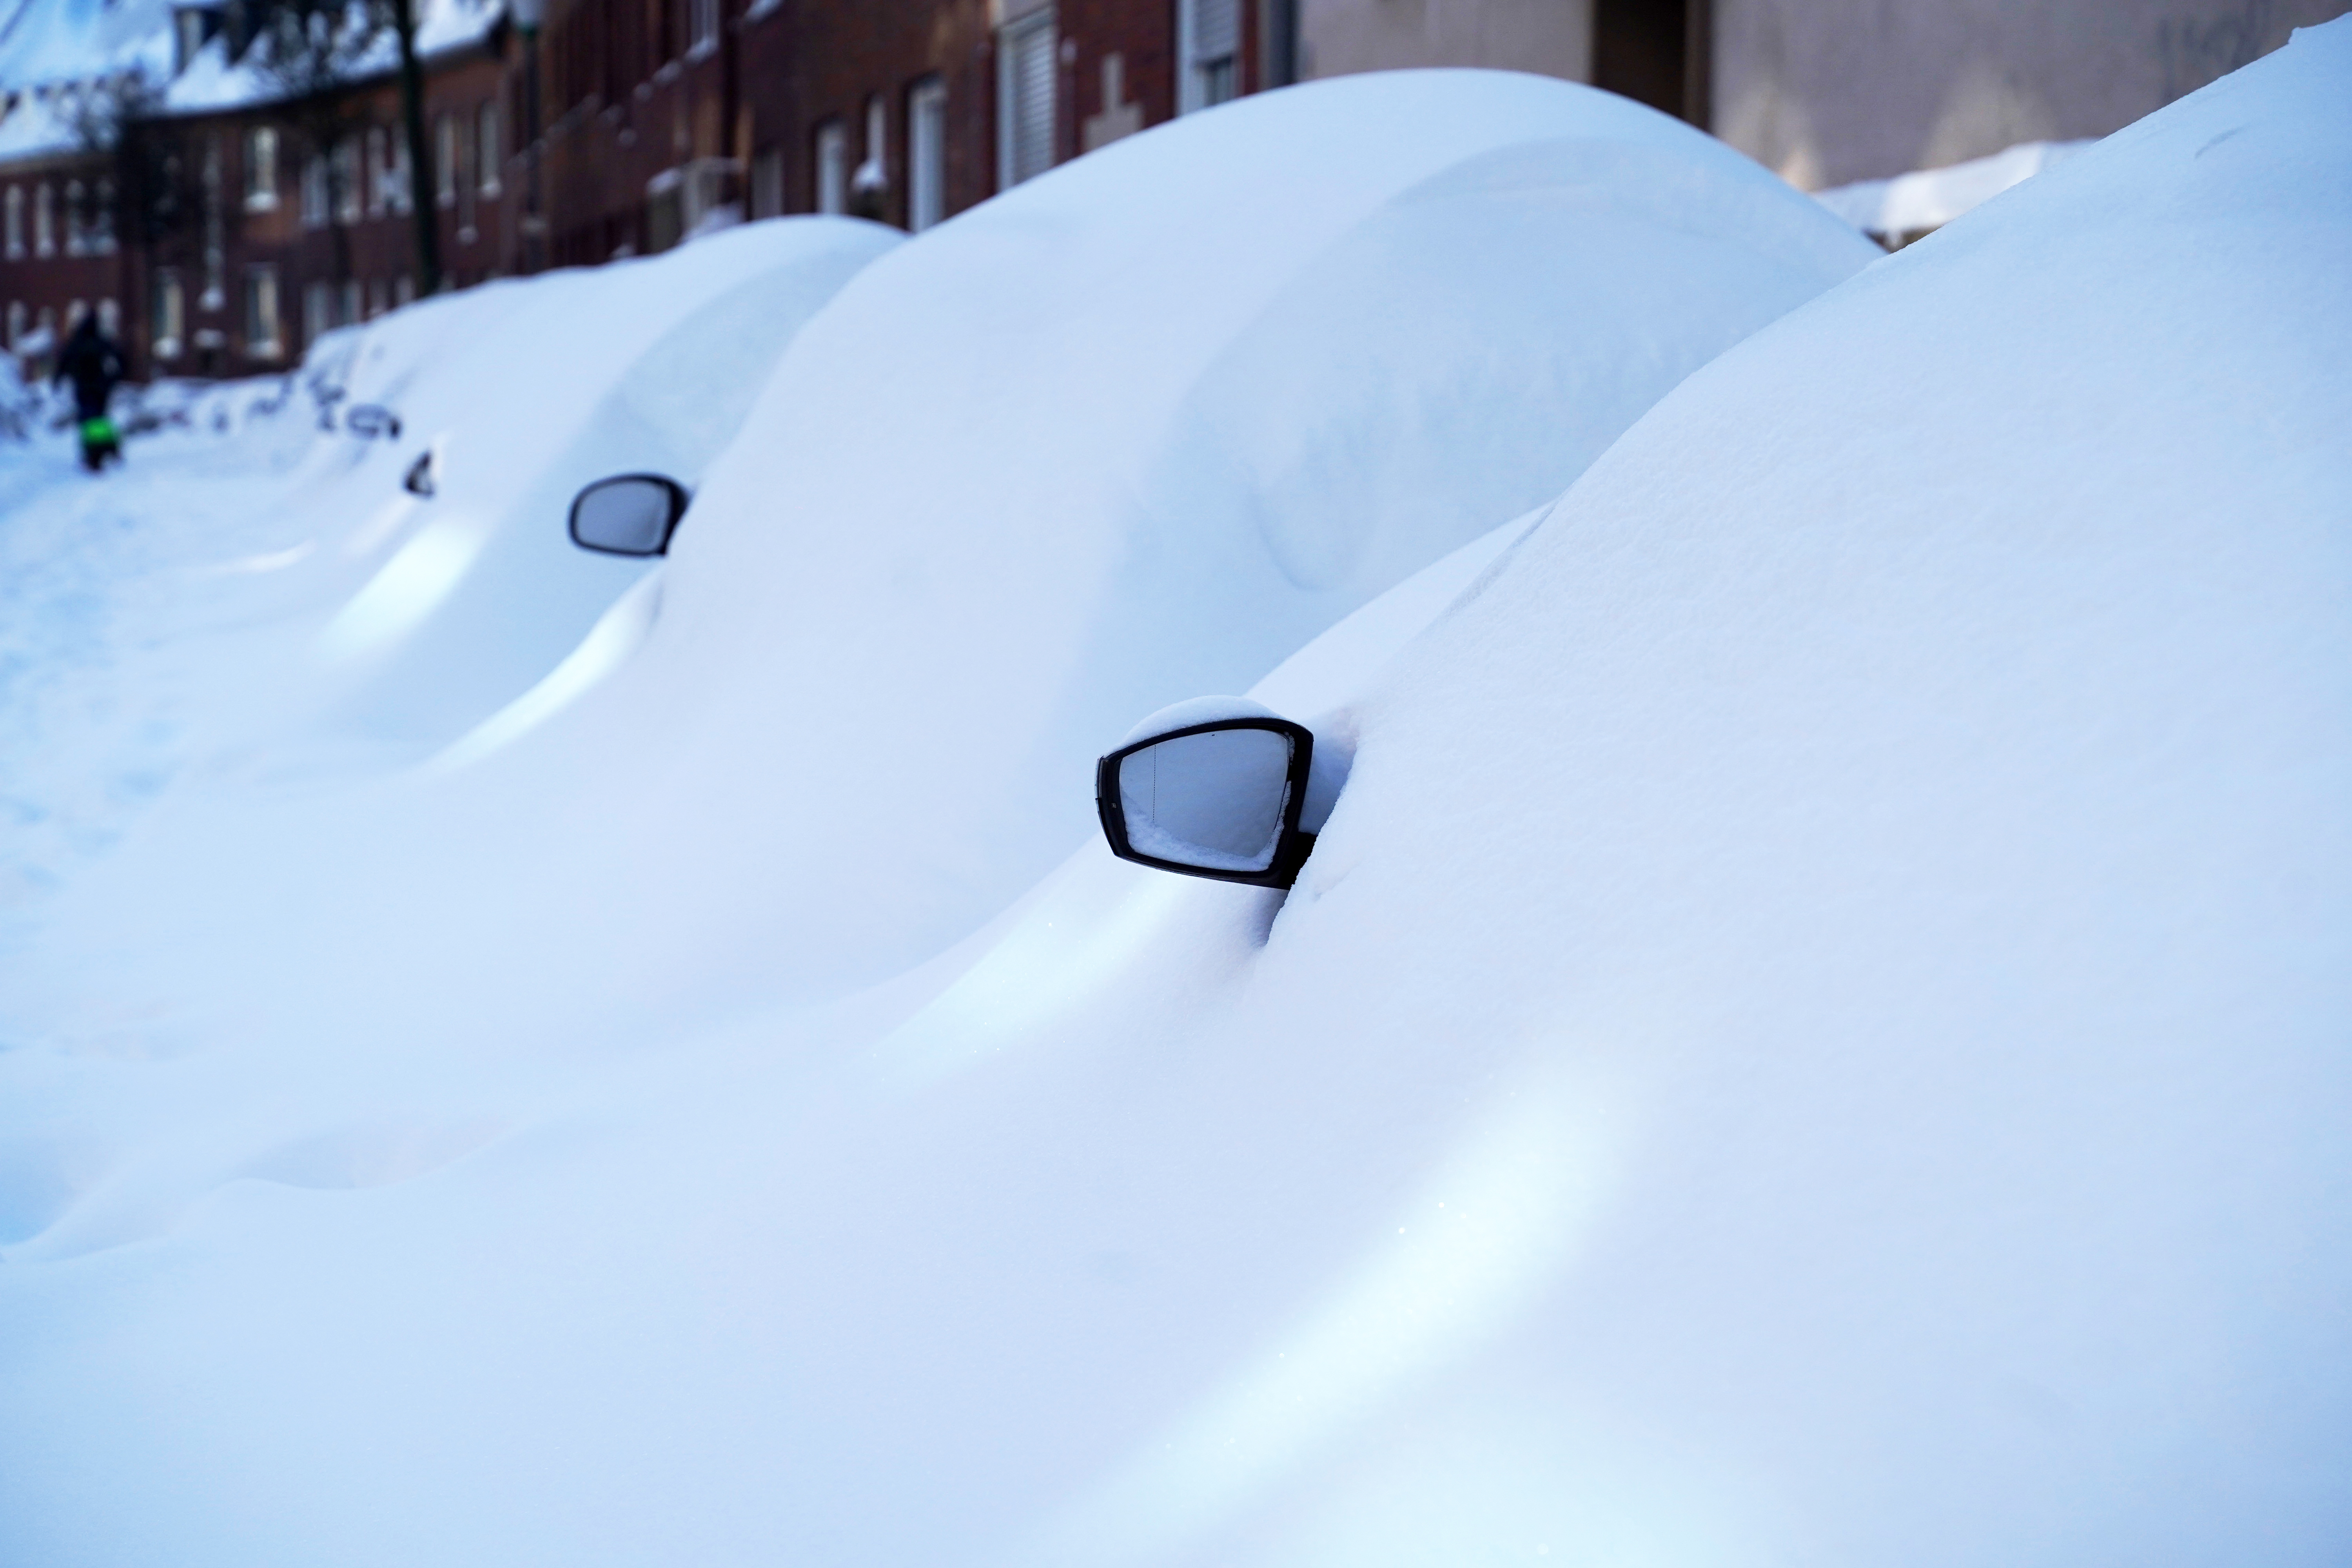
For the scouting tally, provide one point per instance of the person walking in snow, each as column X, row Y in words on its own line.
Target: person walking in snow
column 93, row 363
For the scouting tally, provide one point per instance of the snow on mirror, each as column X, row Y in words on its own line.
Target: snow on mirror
column 1218, row 799
column 628, row 514
column 1215, row 798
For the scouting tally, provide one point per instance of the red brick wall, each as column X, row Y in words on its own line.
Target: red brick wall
column 625, row 100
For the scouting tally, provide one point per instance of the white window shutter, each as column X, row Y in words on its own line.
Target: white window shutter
column 1025, row 99
column 1217, row 34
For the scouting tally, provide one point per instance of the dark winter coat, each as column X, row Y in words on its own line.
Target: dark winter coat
column 93, row 363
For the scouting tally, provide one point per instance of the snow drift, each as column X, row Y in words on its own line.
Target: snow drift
column 1138, row 429
column 1812, row 1034
column 441, row 609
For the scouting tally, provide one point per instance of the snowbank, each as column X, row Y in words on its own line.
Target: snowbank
column 1136, row 430
column 257, row 597
column 1133, row 431
column 1813, row 1033
column 522, row 393
column 1925, row 199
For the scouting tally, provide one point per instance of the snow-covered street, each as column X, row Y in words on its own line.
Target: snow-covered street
column 1814, row 1032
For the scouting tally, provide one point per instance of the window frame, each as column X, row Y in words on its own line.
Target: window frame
column 1195, row 76
column 448, row 156
column 767, row 191
column 260, row 168
column 260, row 287
column 489, row 147
column 927, row 155
column 830, row 152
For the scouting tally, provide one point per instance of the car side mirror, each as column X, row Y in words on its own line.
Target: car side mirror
column 1219, row 799
column 628, row 514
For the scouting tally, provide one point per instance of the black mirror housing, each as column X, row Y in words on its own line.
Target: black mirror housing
column 1219, row 800
column 628, row 514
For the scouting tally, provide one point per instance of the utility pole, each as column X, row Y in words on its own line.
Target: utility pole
column 420, row 164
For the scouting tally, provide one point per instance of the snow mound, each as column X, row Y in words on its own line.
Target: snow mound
column 1134, row 430
column 1928, row 199
column 450, row 607
column 1137, row 429
column 1815, row 1032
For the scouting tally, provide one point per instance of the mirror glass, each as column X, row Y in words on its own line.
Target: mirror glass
column 1212, row 800
column 628, row 516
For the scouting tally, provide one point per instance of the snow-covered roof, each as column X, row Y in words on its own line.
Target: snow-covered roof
column 39, row 126
column 1931, row 198
column 48, row 43
column 45, row 41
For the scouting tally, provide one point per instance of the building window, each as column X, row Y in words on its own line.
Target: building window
column 262, row 337
column 831, row 168
column 379, row 174
column 45, row 220
column 705, row 27
column 348, row 299
column 488, row 148
column 215, row 294
column 1025, row 97
column 1208, row 37
column 315, row 205
column 878, row 139
column 170, row 317
column 346, row 180
column 101, row 219
column 402, row 194
column 109, row 318
column 15, row 224
column 869, row 187
column 16, row 323
column 318, row 311
column 927, row 155
column 404, row 291
column 261, row 169
column 445, row 155
column 76, row 218
column 768, row 183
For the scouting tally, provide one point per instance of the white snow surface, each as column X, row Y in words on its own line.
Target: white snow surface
column 1930, row 198
column 1814, row 1034
column 1136, row 430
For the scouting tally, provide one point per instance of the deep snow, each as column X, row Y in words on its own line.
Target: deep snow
column 1127, row 432
column 1814, row 1033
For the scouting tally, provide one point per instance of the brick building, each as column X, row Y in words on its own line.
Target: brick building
column 225, row 232
column 662, row 115
column 653, row 118
column 573, row 132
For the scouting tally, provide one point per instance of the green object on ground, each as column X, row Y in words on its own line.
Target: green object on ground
column 98, row 431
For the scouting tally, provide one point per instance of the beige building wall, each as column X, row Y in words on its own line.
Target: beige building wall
column 1551, row 36
column 1828, row 91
